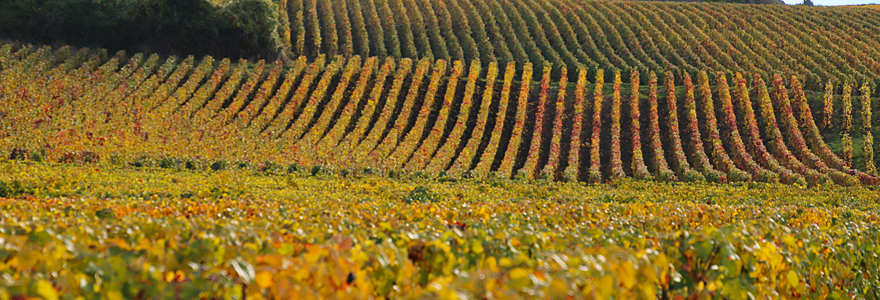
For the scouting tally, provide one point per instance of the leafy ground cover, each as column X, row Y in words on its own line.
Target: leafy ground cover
column 72, row 231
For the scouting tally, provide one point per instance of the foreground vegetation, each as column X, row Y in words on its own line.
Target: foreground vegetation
column 118, row 233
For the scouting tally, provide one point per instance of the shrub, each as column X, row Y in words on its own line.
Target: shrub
column 680, row 162
column 550, row 170
column 510, row 155
column 412, row 138
column 719, row 155
column 828, row 106
column 639, row 169
column 739, row 151
column 488, row 155
column 701, row 160
column 866, row 106
column 661, row 167
column 534, row 151
column 616, row 163
column 445, row 153
column 868, row 154
column 242, row 28
column 847, row 154
column 595, row 174
column 422, row 155
column 846, row 123
column 572, row 171
column 422, row 194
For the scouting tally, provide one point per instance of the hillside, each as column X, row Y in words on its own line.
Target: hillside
column 814, row 43
column 817, row 44
column 435, row 118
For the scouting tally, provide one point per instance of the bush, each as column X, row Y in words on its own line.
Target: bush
column 242, row 28
column 167, row 163
column 12, row 189
column 19, row 154
column 219, row 165
column 422, row 194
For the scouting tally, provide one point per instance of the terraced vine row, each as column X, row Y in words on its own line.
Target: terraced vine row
column 400, row 115
column 821, row 44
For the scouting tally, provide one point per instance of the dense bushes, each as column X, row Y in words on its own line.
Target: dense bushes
column 241, row 28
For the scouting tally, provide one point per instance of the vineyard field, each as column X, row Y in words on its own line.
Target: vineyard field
column 815, row 44
column 129, row 234
column 439, row 149
column 399, row 115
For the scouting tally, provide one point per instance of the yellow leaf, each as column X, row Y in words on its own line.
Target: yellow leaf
column 313, row 255
column 118, row 243
column 490, row 285
column 46, row 290
column 505, row 262
column 301, row 274
column 114, row 295
column 477, row 246
column 606, row 286
column 712, row 286
column 792, row 278
column 790, row 241
column 385, row 225
column 180, row 276
column 271, row 260
column 264, row 279
column 558, row 289
column 359, row 256
column 518, row 273
column 252, row 246
column 143, row 244
column 493, row 265
column 627, row 275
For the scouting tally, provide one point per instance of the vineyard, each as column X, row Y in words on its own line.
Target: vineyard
column 492, row 149
column 435, row 118
column 815, row 44
column 113, row 233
